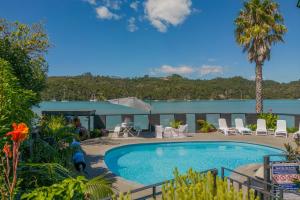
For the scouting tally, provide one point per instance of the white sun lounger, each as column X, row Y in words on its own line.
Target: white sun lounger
column 297, row 134
column 223, row 128
column 281, row 129
column 261, row 127
column 239, row 126
column 182, row 131
column 159, row 130
column 116, row 132
column 168, row 132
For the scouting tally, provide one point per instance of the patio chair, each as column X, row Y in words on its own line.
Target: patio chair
column 127, row 129
column 261, row 127
column 297, row 134
column 239, row 126
column 159, row 131
column 281, row 129
column 168, row 132
column 223, row 128
column 182, row 130
column 116, row 132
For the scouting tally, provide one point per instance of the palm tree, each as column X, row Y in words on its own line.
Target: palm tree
column 259, row 25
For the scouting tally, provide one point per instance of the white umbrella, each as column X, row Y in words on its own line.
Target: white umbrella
column 132, row 102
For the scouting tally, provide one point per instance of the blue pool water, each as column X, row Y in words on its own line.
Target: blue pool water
column 152, row 163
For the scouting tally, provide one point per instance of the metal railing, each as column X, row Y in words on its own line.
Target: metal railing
column 264, row 190
column 154, row 188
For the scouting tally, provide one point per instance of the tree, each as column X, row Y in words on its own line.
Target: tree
column 24, row 47
column 15, row 101
column 259, row 26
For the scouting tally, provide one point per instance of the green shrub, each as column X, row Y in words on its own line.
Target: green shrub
column 252, row 127
column 292, row 130
column 205, row 127
column 96, row 133
column 73, row 188
column 271, row 119
column 175, row 123
column 194, row 185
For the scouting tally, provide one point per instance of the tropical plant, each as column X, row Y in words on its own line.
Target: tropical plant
column 194, row 185
column 11, row 160
column 205, row 127
column 292, row 129
column 34, row 175
column 175, row 123
column 55, row 127
column 252, row 127
column 271, row 119
column 73, row 188
column 258, row 26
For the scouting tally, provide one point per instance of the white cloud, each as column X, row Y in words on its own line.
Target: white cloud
column 210, row 69
column 134, row 5
column 113, row 4
column 162, row 13
column 187, row 70
column 132, row 27
column 104, row 13
column 92, row 2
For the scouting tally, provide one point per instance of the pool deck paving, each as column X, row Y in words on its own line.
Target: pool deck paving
column 95, row 150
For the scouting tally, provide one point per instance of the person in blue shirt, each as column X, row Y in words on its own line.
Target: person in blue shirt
column 79, row 161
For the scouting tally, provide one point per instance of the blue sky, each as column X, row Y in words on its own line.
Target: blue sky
column 131, row 38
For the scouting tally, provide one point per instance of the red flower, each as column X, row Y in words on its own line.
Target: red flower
column 19, row 133
column 6, row 150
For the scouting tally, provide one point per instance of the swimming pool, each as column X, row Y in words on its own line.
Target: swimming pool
column 155, row 162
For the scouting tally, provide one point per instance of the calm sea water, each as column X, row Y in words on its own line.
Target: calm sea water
column 167, row 107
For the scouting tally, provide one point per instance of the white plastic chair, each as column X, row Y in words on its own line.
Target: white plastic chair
column 168, row 132
column 297, row 134
column 159, row 131
column 261, row 127
column 223, row 128
column 182, row 130
column 239, row 126
column 116, row 132
column 281, row 129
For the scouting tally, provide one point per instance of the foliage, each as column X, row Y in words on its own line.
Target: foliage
column 205, row 127
column 57, row 128
column 96, row 133
column 24, row 47
column 194, row 185
column 259, row 25
column 252, row 127
column 11, row 159
column 291, row 152
column 292, row 129
column 14, row 101
column 83, row 87
column 35, row 175
column 175, row 123
column 73, row 188
column 271, row 119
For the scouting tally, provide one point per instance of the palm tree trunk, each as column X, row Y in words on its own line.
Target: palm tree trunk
column 259, row 88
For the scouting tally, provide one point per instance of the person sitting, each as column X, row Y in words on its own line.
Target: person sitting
column 79, row 129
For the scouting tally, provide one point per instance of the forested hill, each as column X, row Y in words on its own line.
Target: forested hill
column 85, row 86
